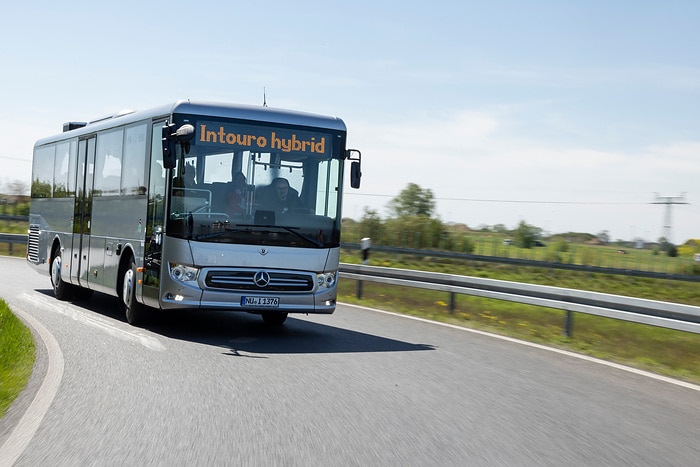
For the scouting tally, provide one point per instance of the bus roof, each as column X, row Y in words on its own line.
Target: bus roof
column 208, row 109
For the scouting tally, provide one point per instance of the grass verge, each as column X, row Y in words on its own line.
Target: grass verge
column 17, row 354
column 659, row 350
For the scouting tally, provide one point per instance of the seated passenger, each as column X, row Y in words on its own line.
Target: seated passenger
column 189, row 176
column 186, row 180
column 236, row 195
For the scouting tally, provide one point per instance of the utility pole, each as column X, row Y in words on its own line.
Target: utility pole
column 669, row 201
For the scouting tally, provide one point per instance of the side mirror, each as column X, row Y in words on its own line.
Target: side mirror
column 355, row 174
column 355, row 170
column 171, row 137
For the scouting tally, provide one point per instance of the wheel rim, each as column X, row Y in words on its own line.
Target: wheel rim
column 56, row 271
column 128, row 287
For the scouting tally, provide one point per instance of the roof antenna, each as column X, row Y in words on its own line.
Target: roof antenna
column 264, row 98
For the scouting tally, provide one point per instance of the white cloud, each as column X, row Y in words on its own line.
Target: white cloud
column 482, row 175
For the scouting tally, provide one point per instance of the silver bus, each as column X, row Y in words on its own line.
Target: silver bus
column 193, row 206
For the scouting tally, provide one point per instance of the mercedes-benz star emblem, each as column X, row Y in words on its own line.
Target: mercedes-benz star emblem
column 263, row 251
column 261, row 279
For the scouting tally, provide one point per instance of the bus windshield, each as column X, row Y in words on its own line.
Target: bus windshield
column 256, row 184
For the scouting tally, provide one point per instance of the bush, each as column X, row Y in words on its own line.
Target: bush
column 526, row 235
column 23, row 209
column 562, row 246
column 371, row 225
column 672, row 251
column 417, row 232
column 467, row 246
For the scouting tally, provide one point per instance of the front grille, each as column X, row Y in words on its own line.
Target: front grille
column 33, row 245
column 244, row 280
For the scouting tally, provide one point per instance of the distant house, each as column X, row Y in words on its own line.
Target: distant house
column 595, row 241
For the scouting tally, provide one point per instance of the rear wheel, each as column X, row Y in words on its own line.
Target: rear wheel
column 62, row 290
column 274, row 318
column 135, row 312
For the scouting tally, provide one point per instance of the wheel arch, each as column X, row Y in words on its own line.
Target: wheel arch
column 125, row 262
column 55, row 246
column 55, row 249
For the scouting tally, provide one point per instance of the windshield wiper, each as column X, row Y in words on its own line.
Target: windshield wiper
column 292, row 230
column 257, row 227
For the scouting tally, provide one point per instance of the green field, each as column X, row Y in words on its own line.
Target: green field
column 17, row 353
column 663, row 351
column 580, row 249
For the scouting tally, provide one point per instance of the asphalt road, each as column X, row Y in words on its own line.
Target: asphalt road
column 355, row 388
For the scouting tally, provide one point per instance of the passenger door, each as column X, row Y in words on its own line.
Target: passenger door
column 82, row 213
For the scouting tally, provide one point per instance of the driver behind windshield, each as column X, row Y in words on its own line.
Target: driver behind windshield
column 283, row 197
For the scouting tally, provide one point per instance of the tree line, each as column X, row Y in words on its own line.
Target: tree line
column 412, row 223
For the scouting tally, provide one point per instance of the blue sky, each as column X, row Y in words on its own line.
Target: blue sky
column 569, row 115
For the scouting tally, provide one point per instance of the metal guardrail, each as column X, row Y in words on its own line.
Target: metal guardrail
column 656, row 313
column 12, row 217
column 12, row 239
column 526, row 262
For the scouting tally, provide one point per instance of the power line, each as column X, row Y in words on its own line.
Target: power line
column 516, row 201
column 538, row 202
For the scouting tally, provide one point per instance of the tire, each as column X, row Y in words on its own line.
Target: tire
column 274, row 319
column 136, row 314
column 61, row 289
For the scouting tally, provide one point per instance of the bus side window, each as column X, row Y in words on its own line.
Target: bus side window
column 108, row 159
column 134, row 161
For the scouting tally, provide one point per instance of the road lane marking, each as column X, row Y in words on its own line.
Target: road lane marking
column 134, row 335
column 25, row 430
column 23, row 433
column 618, row 366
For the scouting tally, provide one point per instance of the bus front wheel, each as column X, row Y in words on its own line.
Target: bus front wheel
column 135, row 312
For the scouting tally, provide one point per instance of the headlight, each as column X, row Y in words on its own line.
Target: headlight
column 182, row 273
column 326, row 279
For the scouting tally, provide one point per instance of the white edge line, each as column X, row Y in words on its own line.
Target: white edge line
column 618, row 366
column 131, row 335
column 28, row 425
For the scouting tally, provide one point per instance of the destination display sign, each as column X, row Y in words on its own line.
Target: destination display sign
column 262, row 139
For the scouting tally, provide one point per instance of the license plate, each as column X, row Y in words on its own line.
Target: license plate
column 260, row 301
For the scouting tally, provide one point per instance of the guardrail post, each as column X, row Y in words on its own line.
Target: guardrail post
column 365, row 244
column 569, row 324
column 453, row 299
column 359, row 290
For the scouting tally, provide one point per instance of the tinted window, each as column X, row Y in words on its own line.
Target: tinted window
column 134, row 161
column 108, row 163
column 64, row 170
column 42, row 172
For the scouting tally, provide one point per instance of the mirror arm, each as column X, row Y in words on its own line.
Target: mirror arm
column 170, row 138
